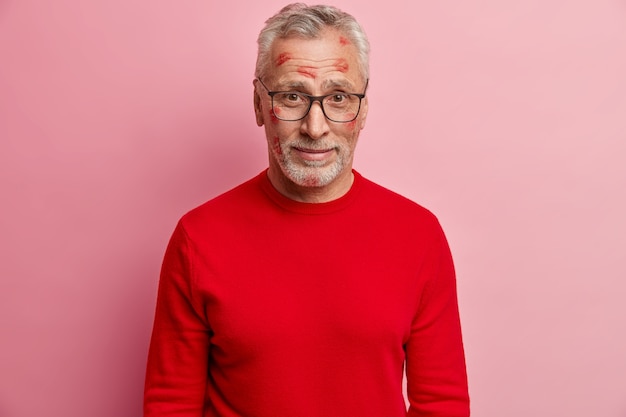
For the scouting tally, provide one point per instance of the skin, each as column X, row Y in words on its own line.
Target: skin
column 310, row 160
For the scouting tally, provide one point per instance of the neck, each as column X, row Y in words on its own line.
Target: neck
column 336, row 189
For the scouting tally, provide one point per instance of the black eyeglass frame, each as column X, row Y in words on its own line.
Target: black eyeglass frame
column 313, row 99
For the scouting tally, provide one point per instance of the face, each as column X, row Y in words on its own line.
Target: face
column 311, row 159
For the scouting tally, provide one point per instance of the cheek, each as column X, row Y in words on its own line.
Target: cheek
column 352, row 125
column 276, row 146
column 272, row 115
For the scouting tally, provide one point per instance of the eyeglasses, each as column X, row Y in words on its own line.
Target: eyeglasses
column 291, row 106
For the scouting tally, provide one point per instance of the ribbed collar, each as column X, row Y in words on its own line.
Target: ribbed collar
column 311, row 208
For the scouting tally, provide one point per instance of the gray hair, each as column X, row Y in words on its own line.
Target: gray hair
column 300, row 20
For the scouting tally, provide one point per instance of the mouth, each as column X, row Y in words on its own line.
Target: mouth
column 313, row 154
column 307, row 150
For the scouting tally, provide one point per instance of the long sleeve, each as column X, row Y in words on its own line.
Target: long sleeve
column 436, row 372
column 176, row 374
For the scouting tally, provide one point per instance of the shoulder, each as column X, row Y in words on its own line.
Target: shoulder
column 226, row 205
column 390, row 203
column 392, row 216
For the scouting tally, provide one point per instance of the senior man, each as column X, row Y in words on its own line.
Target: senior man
column 308, row 290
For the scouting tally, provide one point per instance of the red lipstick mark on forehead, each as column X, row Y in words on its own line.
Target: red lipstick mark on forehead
column 341, row 65
column 309, row 72
column 282, row 58
column 343, row 41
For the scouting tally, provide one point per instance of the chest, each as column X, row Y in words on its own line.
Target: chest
column 310, row 287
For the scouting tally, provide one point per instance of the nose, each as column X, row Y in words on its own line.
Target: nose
column 315, row 124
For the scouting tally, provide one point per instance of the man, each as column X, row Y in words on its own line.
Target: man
column 305, row 291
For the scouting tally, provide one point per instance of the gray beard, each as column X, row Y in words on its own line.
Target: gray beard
column 311, row 173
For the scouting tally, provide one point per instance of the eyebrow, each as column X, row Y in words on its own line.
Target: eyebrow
column 337, row 83
column 291, row 85
column 326, row 85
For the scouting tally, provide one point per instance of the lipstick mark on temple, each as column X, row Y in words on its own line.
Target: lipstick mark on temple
column 342, row 65
column 343, row 41
column 282, row 58
column 309, row 72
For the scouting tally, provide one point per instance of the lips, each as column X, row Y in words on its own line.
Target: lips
column 312, row 150
column 313, row 154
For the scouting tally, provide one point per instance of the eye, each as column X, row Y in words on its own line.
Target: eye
column 290, row 99
column 338, row 98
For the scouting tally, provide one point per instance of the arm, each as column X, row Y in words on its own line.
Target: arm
column 436, row 373
column 177, row 373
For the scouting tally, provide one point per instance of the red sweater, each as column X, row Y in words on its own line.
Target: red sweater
column 269, row 307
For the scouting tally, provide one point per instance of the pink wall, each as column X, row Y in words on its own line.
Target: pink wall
column 508, row 119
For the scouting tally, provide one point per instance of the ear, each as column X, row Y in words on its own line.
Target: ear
column 258, row 108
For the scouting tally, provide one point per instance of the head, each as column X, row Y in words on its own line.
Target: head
column 314, row 51
column 307, row 22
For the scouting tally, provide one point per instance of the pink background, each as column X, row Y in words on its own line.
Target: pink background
column 506, row 118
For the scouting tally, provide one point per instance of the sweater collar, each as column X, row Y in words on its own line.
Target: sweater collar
column 310, row 208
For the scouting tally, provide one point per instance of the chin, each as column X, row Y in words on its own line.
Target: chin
column 313, row 176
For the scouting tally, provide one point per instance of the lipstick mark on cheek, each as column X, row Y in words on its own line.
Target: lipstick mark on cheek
column 276, row 143
column 353, row 124
column 341, row 65
column 309, row 72
column 272, row 113
column 343, row 41
column 282, row 58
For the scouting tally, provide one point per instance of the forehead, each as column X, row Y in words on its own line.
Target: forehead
column 328, row 56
